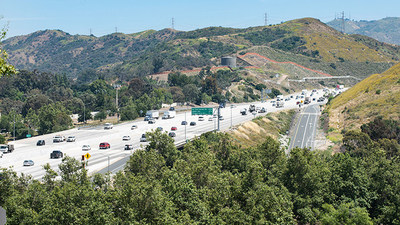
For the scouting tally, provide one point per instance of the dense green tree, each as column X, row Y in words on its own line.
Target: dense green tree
column 129, row 112
column 346, row 213
column 53, row 117
column 102, row 115
column 191, row 92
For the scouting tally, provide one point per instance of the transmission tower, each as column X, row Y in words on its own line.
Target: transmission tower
column 265, row 19
column 173, row 23
column 343, row 29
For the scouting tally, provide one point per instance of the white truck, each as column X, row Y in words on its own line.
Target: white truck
column 153, row 114
column 169, row 114
column 6, row 148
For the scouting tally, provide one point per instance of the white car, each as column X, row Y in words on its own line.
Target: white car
column 29, row 163
column 133, row 127
column 210, row 119
column 108, row 126
column 86, row 148
column 201, row 118
column 71, row 139
column 126, row 138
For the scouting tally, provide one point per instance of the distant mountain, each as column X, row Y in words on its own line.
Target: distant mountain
column 306, row 41
column 385, row 30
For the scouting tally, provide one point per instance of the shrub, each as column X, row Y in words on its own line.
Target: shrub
column 378, row 92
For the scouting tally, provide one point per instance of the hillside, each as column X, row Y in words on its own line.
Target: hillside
column 307, row 42
column 379, row 94
column 385, row 30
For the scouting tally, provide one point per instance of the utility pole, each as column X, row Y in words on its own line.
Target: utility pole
column 14, row 128
column 90, row 32
column 116, row 104
column 84, row 113
column 218, row 116
column 116, row 29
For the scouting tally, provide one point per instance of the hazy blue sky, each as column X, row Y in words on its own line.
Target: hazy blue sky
column 103, row 16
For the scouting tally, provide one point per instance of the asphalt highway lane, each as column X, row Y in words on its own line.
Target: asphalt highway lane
column 306, row 128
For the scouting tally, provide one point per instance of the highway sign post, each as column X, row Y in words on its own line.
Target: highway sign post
column 87, row 155
column 202, row 111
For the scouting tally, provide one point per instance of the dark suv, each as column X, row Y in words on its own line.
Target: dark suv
column 40, row 143
column 56, row 154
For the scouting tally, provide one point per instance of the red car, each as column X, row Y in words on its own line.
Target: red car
column 104, row 145
column 174, row 128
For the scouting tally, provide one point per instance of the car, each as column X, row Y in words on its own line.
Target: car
column 104, row 145
column 56, row 154
column 40, row 142
column 86, row 148
column 192, row 123
column 71, row 139
column 108, row 126
column 201, row 118
column 151, row 121
column 160, row 128
column 221, row 118
column 126, row 138
column 215, row 116
column 184, row 123
column 133, row 127
column 28, row 163
column 143, row 138
column 174, row 128
column 128, row 147
column 147, row 118
column 171, row 109
column 164, row 117
column 172, row 134
column 313, row 99
column 58, row 138
column 262, row 110
column 210, row 118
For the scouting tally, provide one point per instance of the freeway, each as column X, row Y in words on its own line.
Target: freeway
column 93, row 136
column 306, row 127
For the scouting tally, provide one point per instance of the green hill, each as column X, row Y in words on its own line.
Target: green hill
column 379, row 94
column 306, row 41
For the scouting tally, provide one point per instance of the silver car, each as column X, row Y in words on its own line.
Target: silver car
column 86, row 148
column 29, row 163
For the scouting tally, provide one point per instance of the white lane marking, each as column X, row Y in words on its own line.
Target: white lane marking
column 304, row 134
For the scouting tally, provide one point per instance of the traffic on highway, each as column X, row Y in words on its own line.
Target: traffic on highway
column 110, row 143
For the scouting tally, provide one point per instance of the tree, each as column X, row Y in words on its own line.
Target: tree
column 191, row 92
column 347, row 213
column 129, row 112
column 5, row 68
column 177, row 94
column 102, row 115
column 260, row 86
column 53, row 118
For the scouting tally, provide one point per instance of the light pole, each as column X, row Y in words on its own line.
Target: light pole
column 14, row 127
column 84, row 116
column 231, row 116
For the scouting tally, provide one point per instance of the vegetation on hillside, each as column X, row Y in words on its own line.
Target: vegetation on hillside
column 211, row 180
column 377, row 95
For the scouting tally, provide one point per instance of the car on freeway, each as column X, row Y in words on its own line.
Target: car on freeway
column 71, row 139
column 104, row 145
column 313, row 99
column 86, row 148
column 221, row 118
column 147, row 118
column 151, row 121
column 172, row 109
column 215, row 116
column 58, row 138
column 174, row 128
column 160, row 128
column 192, row 123
column 184, row 123
column 128, row 147
column 28, row 163
column 172, row 134
column 40, row 142
column 133, row 127
column 108, row 126
column 210, row 118
column 143, row 138
column 126, row 138
column 201, row 118
column 56, row 154
column 262, row 110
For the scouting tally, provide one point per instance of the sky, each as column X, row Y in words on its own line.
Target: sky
column 101, row 17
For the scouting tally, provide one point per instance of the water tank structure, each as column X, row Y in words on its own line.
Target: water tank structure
column 228, row 61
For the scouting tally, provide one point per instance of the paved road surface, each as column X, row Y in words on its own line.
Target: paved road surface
column 27, row 149
column 305, row 129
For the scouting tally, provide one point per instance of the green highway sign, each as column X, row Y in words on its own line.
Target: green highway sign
column 202, row 111
column 28, row 135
